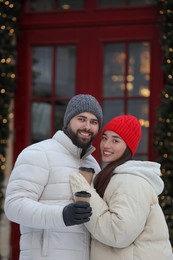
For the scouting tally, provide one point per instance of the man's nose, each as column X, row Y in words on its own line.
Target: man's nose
column 87, row 125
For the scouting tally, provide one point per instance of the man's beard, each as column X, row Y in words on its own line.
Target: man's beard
column 78, row 141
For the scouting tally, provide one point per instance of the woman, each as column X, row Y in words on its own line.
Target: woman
column 127, row 222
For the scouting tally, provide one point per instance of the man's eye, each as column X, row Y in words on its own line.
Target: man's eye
column 94, row 122
column 103, row 138
column 81, row 119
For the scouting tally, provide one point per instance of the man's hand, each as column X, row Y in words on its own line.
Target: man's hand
column 77, row 213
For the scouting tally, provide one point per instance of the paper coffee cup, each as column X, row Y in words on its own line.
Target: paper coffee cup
column 87, row 173
column 82, row 196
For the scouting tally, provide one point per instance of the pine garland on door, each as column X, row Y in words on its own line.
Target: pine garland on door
column 9, row 11
column 163, row 133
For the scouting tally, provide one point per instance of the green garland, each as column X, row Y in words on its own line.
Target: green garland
column 9, row 11
column 163, row 133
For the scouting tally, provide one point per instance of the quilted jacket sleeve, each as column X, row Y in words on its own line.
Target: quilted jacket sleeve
column 26, row 184
column 119, row 218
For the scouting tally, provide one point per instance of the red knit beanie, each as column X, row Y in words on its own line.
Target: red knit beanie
column 128, row 128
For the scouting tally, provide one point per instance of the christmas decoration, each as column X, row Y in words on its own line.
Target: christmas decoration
column 9, row 11
column 163, row 133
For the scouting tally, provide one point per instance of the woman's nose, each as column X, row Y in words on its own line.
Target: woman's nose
column 107, row 144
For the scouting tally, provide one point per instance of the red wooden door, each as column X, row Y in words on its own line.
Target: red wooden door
column 93, row 44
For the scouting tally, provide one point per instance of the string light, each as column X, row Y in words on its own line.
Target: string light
column 163, row 133
column 8, row 28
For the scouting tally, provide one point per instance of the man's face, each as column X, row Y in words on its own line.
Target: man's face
column 83, row 128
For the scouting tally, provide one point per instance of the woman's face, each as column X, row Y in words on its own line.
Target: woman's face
column 112, row 146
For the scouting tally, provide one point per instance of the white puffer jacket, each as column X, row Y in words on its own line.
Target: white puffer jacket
column 36, row 194
column 128, row 224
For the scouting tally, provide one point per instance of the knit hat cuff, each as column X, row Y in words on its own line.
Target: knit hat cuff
column 80, row 104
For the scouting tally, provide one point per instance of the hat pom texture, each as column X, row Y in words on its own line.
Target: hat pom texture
column 80, row 104
column 128, row 128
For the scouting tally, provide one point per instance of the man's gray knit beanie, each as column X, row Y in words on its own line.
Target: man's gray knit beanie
column 80, row 104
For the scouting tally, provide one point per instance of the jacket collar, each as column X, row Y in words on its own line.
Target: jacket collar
column 65, row 141
column 148, row 170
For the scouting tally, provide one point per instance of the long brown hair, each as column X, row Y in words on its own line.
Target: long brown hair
column 103, row 177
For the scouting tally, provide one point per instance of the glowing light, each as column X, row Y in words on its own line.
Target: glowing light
column 130, row 86
column 168, row 120
column 11, row 5
column 145, row 92
column 6, row 2
column 3, row 60
column 66, row 7
column 130, row 78
column 3, row 91
column 144, row 123
column 8, row 60
column 117, row 78
column 13, row 75
column 11, row 31
column 4, row 121
column 11, row 115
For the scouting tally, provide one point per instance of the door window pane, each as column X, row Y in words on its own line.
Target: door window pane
column 111, row 109
column 138, row 77
column 66, row 71
column 111, row 3
column 126, row 84
column 60, row 107
column 53, row 84
column 52, row 5
column 142, row 2
column 114, row 69
column 140, row 109
column 41, row 71
column 41, row 121
column 70, row 4
column 41, row 5
column 119, row 3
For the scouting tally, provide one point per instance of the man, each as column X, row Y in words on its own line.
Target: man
column 38, row 195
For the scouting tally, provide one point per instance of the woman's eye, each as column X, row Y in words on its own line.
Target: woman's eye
column 115, row 141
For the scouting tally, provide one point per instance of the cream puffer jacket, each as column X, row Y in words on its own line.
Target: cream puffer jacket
column 128, row 224
column 36, row 194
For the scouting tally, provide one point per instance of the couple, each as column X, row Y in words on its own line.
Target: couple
column 123, row 218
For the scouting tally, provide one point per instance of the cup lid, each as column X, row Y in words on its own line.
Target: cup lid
column 82, row 193
column 87, row 169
